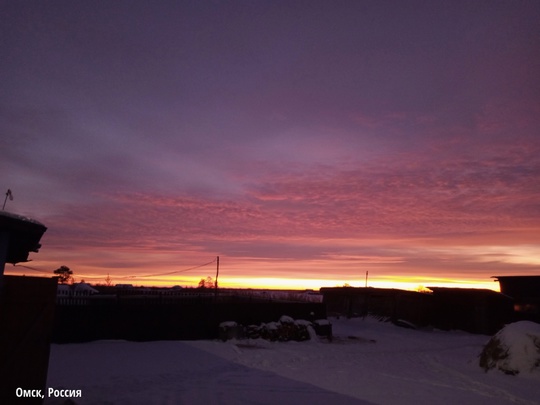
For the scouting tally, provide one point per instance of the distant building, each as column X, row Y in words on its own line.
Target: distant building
column 124, row 286
column 74, row 294
column 525, row 290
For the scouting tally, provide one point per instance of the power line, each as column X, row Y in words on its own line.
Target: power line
column 172, row 272
column 51, row 272
column 126, row 277
column 31, row 268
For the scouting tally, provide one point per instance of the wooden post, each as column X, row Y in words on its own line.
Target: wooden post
column 4, row 242
column 217, row 275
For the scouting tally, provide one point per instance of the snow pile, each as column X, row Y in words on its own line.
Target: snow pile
column 514, row 349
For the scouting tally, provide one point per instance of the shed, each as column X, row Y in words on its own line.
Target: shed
column 525, row 290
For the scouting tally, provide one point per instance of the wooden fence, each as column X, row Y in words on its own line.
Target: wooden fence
column 147, row 317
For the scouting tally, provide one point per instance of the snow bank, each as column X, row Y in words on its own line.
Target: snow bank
column 514, row 349
column 383, row 364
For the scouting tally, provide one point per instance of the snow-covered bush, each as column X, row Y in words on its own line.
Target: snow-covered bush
column 285, row 330
column 514, row 349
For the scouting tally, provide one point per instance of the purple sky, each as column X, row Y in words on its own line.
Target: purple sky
column 304, row 140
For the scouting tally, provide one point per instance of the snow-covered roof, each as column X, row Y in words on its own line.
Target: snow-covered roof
column 18, row 217
column 84, row 287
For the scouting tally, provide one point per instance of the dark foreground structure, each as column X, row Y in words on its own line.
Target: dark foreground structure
column 472, row 310
column 26, row 318
column 26, row 314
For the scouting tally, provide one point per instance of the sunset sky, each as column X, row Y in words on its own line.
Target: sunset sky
column 303, row 142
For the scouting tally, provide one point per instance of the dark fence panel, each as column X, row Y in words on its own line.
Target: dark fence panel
column 472, row 310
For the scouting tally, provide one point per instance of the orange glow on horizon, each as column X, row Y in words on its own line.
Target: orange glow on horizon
column 280, row 283
column 403, row 283
column 144, row 268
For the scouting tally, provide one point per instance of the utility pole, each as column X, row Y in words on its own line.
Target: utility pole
column 366, row 300
column 217, row 275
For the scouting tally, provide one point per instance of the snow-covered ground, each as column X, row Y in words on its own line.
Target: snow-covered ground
column 367, row 362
